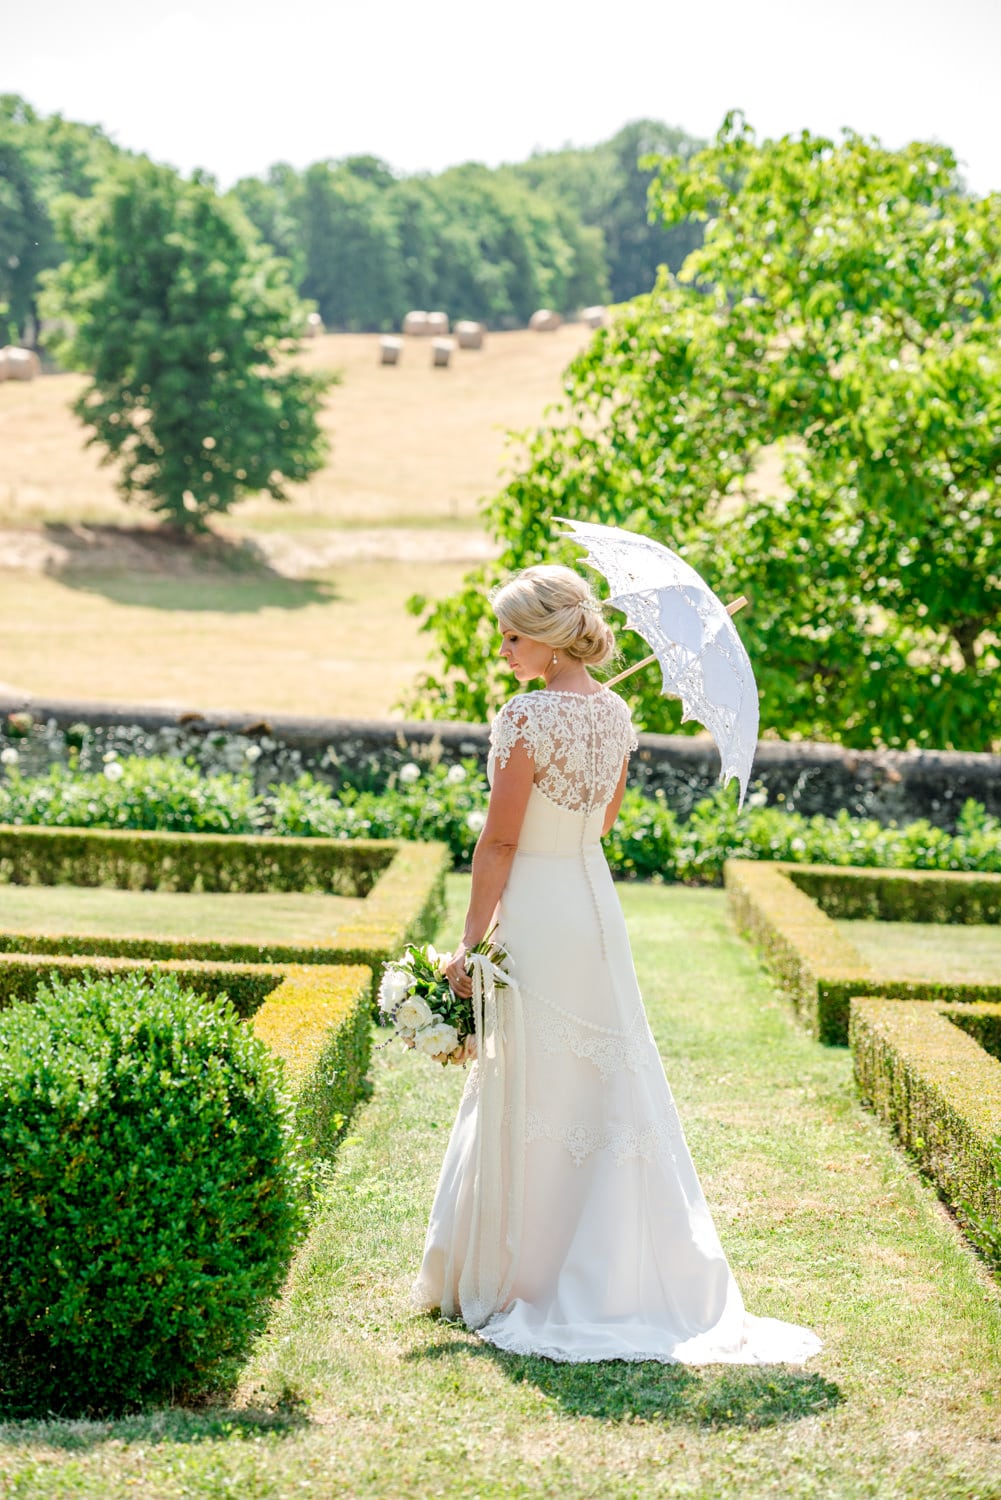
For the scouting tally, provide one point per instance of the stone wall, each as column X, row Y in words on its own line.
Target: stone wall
column 811, row 778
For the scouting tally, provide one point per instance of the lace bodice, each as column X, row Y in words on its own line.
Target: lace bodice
column 578, row 742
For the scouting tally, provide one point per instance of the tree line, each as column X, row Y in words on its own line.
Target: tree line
column 564, row 229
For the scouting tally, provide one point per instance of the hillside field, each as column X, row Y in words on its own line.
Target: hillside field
column 302, row 607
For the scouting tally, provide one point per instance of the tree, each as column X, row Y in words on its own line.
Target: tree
column 844, row 313
column 40, row 158
column 606, row 187
column 350, row 249
column 185, row 323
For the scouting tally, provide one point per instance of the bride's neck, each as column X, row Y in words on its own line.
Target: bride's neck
column 569, row 679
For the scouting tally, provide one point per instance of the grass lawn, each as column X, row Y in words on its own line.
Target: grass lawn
column 350, row 1394
column 930, row 950
column 339, row 646
column 265, row 917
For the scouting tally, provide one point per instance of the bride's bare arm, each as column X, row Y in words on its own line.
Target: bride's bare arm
column 495, row 849
column 612, row 810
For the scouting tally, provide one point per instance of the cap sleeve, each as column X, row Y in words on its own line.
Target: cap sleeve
column 632, row 743
column 512, row 725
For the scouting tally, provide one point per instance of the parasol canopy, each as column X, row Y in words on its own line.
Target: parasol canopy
column 702, row 658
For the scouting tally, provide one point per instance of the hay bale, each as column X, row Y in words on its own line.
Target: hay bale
column 390, row 349
column 441, row 353
column 314, row 326
column 20, row 364
column 544, row 320
column 470, row 335
column 438, row 323
column 594, row 317
column 416, row 323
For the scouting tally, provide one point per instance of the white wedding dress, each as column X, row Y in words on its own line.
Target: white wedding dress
column 568, row 1219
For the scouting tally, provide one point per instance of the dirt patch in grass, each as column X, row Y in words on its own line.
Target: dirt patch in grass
column 145, row 549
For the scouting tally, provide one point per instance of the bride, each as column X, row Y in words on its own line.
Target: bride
column 568, row 1219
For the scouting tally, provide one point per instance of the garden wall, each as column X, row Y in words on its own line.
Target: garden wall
column 897, row 785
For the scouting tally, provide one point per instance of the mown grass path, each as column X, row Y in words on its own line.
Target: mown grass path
column 350, row 1394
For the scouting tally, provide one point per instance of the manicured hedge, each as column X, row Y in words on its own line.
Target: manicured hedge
column 316, row 1018
column 405, row 884
column 800, row 944
column 940, row 1091
column 146, row 861
column 902, row 895
column 318, row 1021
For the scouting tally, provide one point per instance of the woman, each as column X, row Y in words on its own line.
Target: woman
column 568, row 1219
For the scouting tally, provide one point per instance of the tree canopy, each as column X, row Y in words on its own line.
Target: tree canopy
column 184, row 321
column 839, row 326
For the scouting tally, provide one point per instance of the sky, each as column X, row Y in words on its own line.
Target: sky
column 234, row 86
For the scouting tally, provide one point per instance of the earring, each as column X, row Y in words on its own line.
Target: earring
column 552, row 664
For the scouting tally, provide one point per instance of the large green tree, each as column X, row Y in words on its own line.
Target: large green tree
column 185, row 323
column 811, row 414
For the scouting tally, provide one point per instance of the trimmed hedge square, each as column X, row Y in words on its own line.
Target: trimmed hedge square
column 789, row 910
column 397, row 889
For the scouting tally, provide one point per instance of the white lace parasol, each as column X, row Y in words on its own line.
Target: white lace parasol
column 701, row 656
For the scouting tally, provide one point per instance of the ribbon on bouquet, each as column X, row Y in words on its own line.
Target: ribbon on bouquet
column 492, row 1252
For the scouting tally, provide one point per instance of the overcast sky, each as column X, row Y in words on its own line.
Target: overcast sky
column 235, row 85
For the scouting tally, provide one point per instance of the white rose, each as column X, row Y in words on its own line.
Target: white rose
column 410, row 773
column 9, row 757
column 475, row 820
column 456, row 774
column 392, row 989
column 437, row 1040
column 114, row 771
column 414, row 1013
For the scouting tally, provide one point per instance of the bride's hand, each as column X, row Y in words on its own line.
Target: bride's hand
column 455, row 973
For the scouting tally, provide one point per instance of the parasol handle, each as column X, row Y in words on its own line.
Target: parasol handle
column 731, row 609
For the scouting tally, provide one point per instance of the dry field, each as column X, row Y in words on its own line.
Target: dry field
column 306, row 612
column 411, row 446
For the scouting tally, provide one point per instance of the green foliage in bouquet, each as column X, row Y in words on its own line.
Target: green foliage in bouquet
column 842, row 321
column 416, row 998
column 150, row 1194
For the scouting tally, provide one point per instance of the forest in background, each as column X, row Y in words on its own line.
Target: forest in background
column 563, row 229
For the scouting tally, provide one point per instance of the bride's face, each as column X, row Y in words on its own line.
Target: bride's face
column 525, row 657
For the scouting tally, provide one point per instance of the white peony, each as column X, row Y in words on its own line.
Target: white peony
column 456, row 774
column 414, row 1013
column 475, row 820
column 252, row 753
column 393, row 988
column 9, row 757
column 437, row 1040
column 410, row 773
column 114, row 770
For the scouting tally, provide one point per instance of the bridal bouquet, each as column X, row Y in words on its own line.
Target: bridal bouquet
column 415, row 997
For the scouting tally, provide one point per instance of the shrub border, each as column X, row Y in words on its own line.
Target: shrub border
column 938, row 1088
column 404, row 905
column 802, row 947
column 316, row 1018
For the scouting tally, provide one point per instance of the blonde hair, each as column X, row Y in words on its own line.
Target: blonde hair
column 554, row 605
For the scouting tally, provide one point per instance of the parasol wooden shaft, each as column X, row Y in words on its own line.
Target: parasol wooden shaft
column 731, row 609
